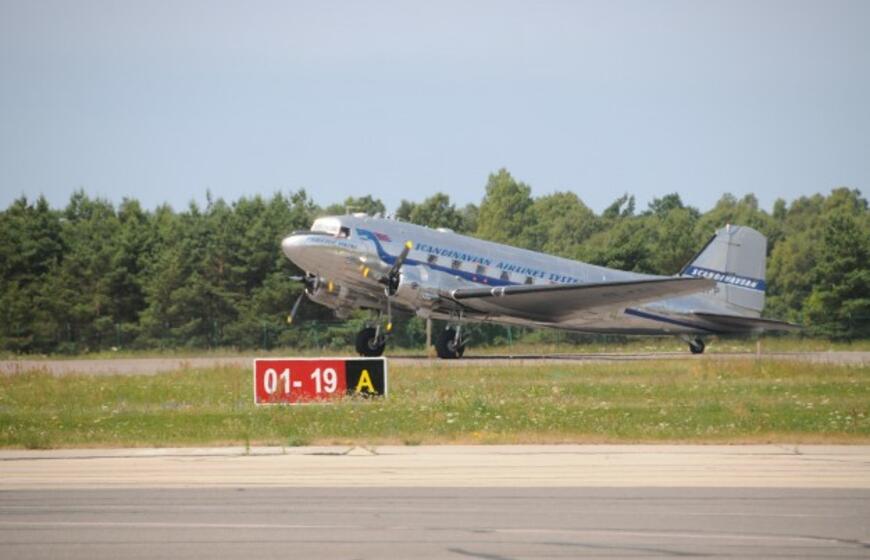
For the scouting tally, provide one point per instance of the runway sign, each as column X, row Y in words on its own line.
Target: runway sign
column 317, row 380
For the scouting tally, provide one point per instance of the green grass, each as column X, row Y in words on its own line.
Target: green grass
column 704, row 401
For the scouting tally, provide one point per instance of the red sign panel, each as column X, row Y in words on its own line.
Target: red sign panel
column 301, row 380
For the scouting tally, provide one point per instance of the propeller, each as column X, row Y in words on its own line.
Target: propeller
column 295, row 308
column 392, row 279
column 387, row 275
column 389, row 326
column 311, row 284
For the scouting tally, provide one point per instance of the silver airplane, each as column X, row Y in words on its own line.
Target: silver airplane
column 359, row 261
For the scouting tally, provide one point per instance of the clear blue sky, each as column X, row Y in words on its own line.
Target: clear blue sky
column 161, row 100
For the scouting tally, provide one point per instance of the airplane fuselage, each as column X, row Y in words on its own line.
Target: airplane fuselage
column 347, row 253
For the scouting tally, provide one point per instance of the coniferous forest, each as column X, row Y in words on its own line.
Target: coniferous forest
column 95, row 276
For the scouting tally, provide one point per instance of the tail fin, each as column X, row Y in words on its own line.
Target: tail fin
column 735, row 257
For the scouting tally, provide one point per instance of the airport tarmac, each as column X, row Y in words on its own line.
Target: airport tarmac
column 151, row 366
column 492, row 502
column 513, row 466
column 479, row 523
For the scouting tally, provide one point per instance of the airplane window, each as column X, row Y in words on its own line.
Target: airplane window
column 481, row 270
column 530, row 280
column 505, row 276
column 344, row 232
column 456, row 264
column 326, row 225
column 432, row 259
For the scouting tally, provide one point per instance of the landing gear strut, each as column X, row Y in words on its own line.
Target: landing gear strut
column 450, row 345
column 696, row 345
column 370, row 342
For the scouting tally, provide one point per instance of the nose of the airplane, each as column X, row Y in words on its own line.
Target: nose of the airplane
column 292, row 246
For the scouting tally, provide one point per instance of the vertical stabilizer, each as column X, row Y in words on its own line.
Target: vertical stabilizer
column 735, row 257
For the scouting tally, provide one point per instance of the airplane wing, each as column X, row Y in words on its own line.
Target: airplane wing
column 738, row 323
column 557, row 302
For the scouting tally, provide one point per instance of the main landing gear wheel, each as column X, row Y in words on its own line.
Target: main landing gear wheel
column 447, row 347
column 370, row 343
column 696, row 346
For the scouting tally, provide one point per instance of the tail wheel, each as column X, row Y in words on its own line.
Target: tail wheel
column 369, row 343
column 696, row 346
column 447, row 347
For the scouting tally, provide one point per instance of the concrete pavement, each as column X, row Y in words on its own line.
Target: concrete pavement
column 485, row 502
column 736, row 466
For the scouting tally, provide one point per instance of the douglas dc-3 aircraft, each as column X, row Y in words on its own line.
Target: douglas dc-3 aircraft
column 359, row 261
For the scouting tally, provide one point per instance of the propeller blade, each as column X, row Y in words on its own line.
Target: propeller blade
column 389, row 326
column 392, row 279
column 400, row 260
column 295, row 308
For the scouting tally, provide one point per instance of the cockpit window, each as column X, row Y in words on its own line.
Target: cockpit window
column 329, row 226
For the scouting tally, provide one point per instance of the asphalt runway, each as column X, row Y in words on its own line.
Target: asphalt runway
column 151, row 366
column 480, row 523
column 489, row 502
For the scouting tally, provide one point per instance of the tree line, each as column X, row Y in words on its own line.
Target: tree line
column 94, row 276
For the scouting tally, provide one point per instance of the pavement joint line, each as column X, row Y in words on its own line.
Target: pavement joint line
column 159, row 453
column 815, row 453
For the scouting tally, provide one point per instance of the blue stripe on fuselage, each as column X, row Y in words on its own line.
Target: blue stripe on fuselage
column 464, row 274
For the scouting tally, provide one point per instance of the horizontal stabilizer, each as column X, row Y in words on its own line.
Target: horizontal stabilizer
column 737, row 323
column 558, row 302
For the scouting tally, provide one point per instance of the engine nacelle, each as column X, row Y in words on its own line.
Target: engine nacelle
column 324, row 297
column 416, row 287
column 339, row 298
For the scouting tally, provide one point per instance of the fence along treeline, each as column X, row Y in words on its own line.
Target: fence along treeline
column 94, row 276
